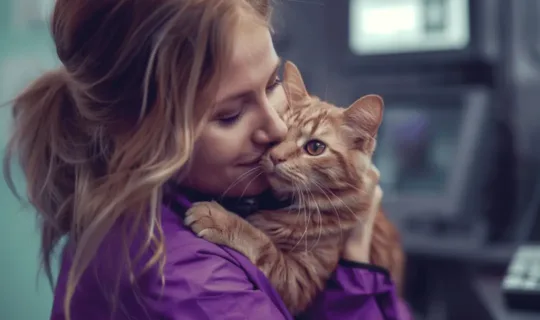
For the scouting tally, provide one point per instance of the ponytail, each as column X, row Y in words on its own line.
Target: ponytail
column 41, row 142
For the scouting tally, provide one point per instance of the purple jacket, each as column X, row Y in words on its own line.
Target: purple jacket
column 206, row 281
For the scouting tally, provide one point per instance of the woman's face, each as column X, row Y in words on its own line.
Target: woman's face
column 245, row 122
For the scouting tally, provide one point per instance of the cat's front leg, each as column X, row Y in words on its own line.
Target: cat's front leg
column 212, row 222
column 297, row 277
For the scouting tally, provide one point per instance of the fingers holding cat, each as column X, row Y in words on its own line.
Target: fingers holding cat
column 375, row 176
column 372, row 177
column 357, row 246
column 374, row 173
column 375, row 205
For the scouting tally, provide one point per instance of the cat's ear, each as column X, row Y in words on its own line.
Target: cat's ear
column 294, row 84
column 365, row 113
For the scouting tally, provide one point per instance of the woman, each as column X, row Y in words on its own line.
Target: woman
column 155, row 93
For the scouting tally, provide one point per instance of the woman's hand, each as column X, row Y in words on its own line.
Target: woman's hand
column 357, row 246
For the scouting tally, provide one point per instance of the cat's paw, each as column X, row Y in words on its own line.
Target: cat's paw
column 210, row 221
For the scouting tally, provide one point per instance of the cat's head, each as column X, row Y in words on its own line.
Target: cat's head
column 327, row 147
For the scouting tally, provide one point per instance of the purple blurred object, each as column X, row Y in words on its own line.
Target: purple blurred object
column 411, row 138
column 414, row 129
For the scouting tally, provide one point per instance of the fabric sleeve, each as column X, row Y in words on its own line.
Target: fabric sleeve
column 209, row 286
column 358, row 291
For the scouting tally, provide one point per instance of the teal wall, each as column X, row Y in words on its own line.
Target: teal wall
column 25, row 51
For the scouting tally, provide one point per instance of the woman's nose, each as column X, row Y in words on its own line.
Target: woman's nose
column 273, row 129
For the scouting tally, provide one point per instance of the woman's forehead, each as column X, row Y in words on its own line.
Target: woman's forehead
column 253, row 60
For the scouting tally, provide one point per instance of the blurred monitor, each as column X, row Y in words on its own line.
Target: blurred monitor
column 417, row 147
column 375, row 33
column 399, row 26
column 429, row 149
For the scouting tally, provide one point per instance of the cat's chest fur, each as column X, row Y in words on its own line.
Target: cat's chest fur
column 315, row 226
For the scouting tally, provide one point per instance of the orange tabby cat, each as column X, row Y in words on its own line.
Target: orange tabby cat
column 325, row 164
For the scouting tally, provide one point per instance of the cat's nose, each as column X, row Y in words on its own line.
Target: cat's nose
column 281, row 152
column 277, row 158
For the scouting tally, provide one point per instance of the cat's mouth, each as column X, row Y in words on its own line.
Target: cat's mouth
column 283, row 185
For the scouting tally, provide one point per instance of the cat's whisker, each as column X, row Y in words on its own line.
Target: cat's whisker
column 297, row 176
column 344, row 204
column 250, row 181
column 319, row 215
column 297, row 200
column 363, row 190
column 320, row 226
column 336, row 212
column 310, row 198
column 291, row 175
column 307, row 215
column 302, row 205
column 239, row 179
column 352, row 186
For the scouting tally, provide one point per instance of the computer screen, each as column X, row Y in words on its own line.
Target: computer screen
column 431, row 151
column 401, row 26
column 417, row 146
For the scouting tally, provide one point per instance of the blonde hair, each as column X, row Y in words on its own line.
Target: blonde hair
column 99, row 137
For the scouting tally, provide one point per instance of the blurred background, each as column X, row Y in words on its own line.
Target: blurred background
column 458, row 149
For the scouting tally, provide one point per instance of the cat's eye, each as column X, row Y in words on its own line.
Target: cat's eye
column 315, row 147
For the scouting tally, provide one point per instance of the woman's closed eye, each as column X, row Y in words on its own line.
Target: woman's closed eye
column 276, row 82
column 229, row 118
